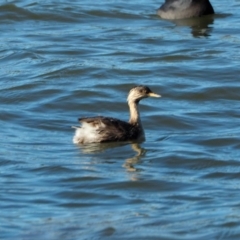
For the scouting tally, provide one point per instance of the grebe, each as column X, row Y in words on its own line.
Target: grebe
column 180, row 9
column 106, row 129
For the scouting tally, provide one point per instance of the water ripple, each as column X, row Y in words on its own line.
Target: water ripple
column 62, row 60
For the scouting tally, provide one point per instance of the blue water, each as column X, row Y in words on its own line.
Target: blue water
column 61, row 60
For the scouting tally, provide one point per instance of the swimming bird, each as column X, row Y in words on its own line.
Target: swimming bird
column 106, row 129
column 180, row 9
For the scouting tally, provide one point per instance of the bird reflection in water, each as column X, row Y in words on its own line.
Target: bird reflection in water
column 200, row 27
column 129, row 163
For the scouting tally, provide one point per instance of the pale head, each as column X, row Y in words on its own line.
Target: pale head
column 139, row 92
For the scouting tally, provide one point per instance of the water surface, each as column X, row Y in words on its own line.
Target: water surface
column 60, row 60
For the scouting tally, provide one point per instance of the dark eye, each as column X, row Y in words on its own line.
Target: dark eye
column 145, row 91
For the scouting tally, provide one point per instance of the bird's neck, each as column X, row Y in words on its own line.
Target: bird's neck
column 134, row 113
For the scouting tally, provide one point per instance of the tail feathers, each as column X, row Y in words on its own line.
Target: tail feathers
column 85, row 134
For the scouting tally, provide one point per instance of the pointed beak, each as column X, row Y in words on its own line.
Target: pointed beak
column 154, row 95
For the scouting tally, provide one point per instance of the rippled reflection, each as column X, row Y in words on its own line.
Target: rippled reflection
column 131, row 162
column 201, row 27
column 99, row 147
column 96, row 148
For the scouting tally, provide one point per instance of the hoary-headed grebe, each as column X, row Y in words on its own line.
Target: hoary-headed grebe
column 106, row 129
